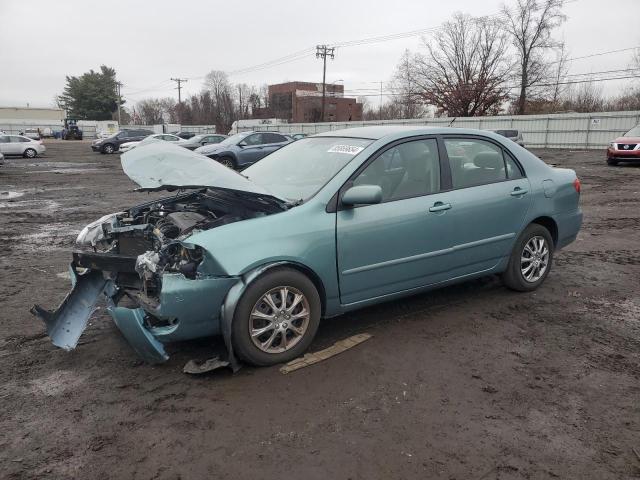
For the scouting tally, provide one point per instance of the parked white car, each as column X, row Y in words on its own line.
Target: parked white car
column 167, row 137
column 21, row 145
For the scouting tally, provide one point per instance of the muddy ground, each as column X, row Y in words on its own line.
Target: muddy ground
column 469, row 382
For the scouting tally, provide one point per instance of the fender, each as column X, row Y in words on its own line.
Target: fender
column 228, row 308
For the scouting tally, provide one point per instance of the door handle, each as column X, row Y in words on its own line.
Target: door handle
column 517, row 192
column 440, row 207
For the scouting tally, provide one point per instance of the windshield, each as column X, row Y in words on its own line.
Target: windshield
column 634, row 132
column 234, row 139
column 298, row 170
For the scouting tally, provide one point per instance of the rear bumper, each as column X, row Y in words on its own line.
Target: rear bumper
column 569, row 224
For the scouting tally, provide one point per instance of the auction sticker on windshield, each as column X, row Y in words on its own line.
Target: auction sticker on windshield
column 348, row 149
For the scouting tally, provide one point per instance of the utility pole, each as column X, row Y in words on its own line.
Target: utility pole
column 324, row 51
column 179, row 87
column 179, row 81
column 118, row 86
column 380, row 106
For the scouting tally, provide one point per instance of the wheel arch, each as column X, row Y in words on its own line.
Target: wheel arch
column 227, row 310
column 258, row 272
column 550, row 224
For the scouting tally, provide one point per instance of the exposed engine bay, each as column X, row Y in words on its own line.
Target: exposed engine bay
column 140, row 244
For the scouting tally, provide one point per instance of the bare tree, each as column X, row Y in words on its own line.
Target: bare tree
column 150, row 111
column 403, row 86
column 465, row 69
column 587, row 97
column 530, row 24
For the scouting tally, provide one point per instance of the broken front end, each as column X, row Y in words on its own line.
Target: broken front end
column 158, row 287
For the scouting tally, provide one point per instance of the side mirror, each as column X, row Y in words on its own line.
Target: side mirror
column 242, row 144
column 362, row 195
column 204, row 143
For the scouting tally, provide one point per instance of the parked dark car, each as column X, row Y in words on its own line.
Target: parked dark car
column 625, row 148
column 112, row 143
column 203, row 139
column 185, row 135
column 245, row 148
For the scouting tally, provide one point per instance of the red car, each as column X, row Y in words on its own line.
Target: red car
column 625, row 148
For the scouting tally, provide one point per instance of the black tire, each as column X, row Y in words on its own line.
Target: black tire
column 227, row 162
column 30, row 153
column 108, row 148
column 513, row 277
column 612, row 162
column 242, row 321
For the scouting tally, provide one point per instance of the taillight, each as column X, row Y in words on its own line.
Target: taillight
column 577, row 185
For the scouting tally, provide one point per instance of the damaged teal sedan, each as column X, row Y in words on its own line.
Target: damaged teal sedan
column 325, row 225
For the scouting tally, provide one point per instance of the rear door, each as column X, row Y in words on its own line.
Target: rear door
column 5, row 146
column 16, row 145
column 400, row 243
column 490, row 198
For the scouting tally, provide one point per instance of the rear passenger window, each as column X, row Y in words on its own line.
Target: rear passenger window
column 474, row 162
column 273, row 138
column 407, row 170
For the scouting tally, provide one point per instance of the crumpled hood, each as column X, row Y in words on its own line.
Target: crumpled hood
column 163, row 166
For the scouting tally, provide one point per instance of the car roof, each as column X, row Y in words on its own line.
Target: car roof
column 381, row 131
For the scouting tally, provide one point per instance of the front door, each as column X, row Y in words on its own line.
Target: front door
column 252, row 151
column 398, row 244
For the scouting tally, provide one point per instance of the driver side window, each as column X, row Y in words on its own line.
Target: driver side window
column 410, row 169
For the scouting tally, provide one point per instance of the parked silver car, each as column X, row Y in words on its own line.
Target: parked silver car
column 511, row 134
column 20, row 145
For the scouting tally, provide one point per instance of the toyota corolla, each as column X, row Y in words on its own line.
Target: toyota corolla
column 324, row 225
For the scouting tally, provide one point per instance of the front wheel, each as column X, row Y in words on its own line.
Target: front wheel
column 276, row 318
column 227, row 162
column 530, row 260
column 108, row 148
column 30, row 153
column 612, row 162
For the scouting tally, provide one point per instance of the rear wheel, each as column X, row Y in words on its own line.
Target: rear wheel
column 227, row 162
column 530, row 260
column 612, row 162
column 108, row 148
column 30, row 153
column 276, row 318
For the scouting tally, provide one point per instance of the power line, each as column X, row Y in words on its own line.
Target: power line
column 572, row 82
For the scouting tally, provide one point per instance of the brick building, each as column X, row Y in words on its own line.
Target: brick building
column 301, row 102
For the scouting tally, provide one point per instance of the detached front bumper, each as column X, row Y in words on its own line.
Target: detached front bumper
column 183, row 309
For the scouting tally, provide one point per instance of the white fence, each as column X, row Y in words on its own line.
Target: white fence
column 566, row 130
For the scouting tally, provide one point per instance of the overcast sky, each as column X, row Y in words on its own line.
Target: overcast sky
column 148, row 42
